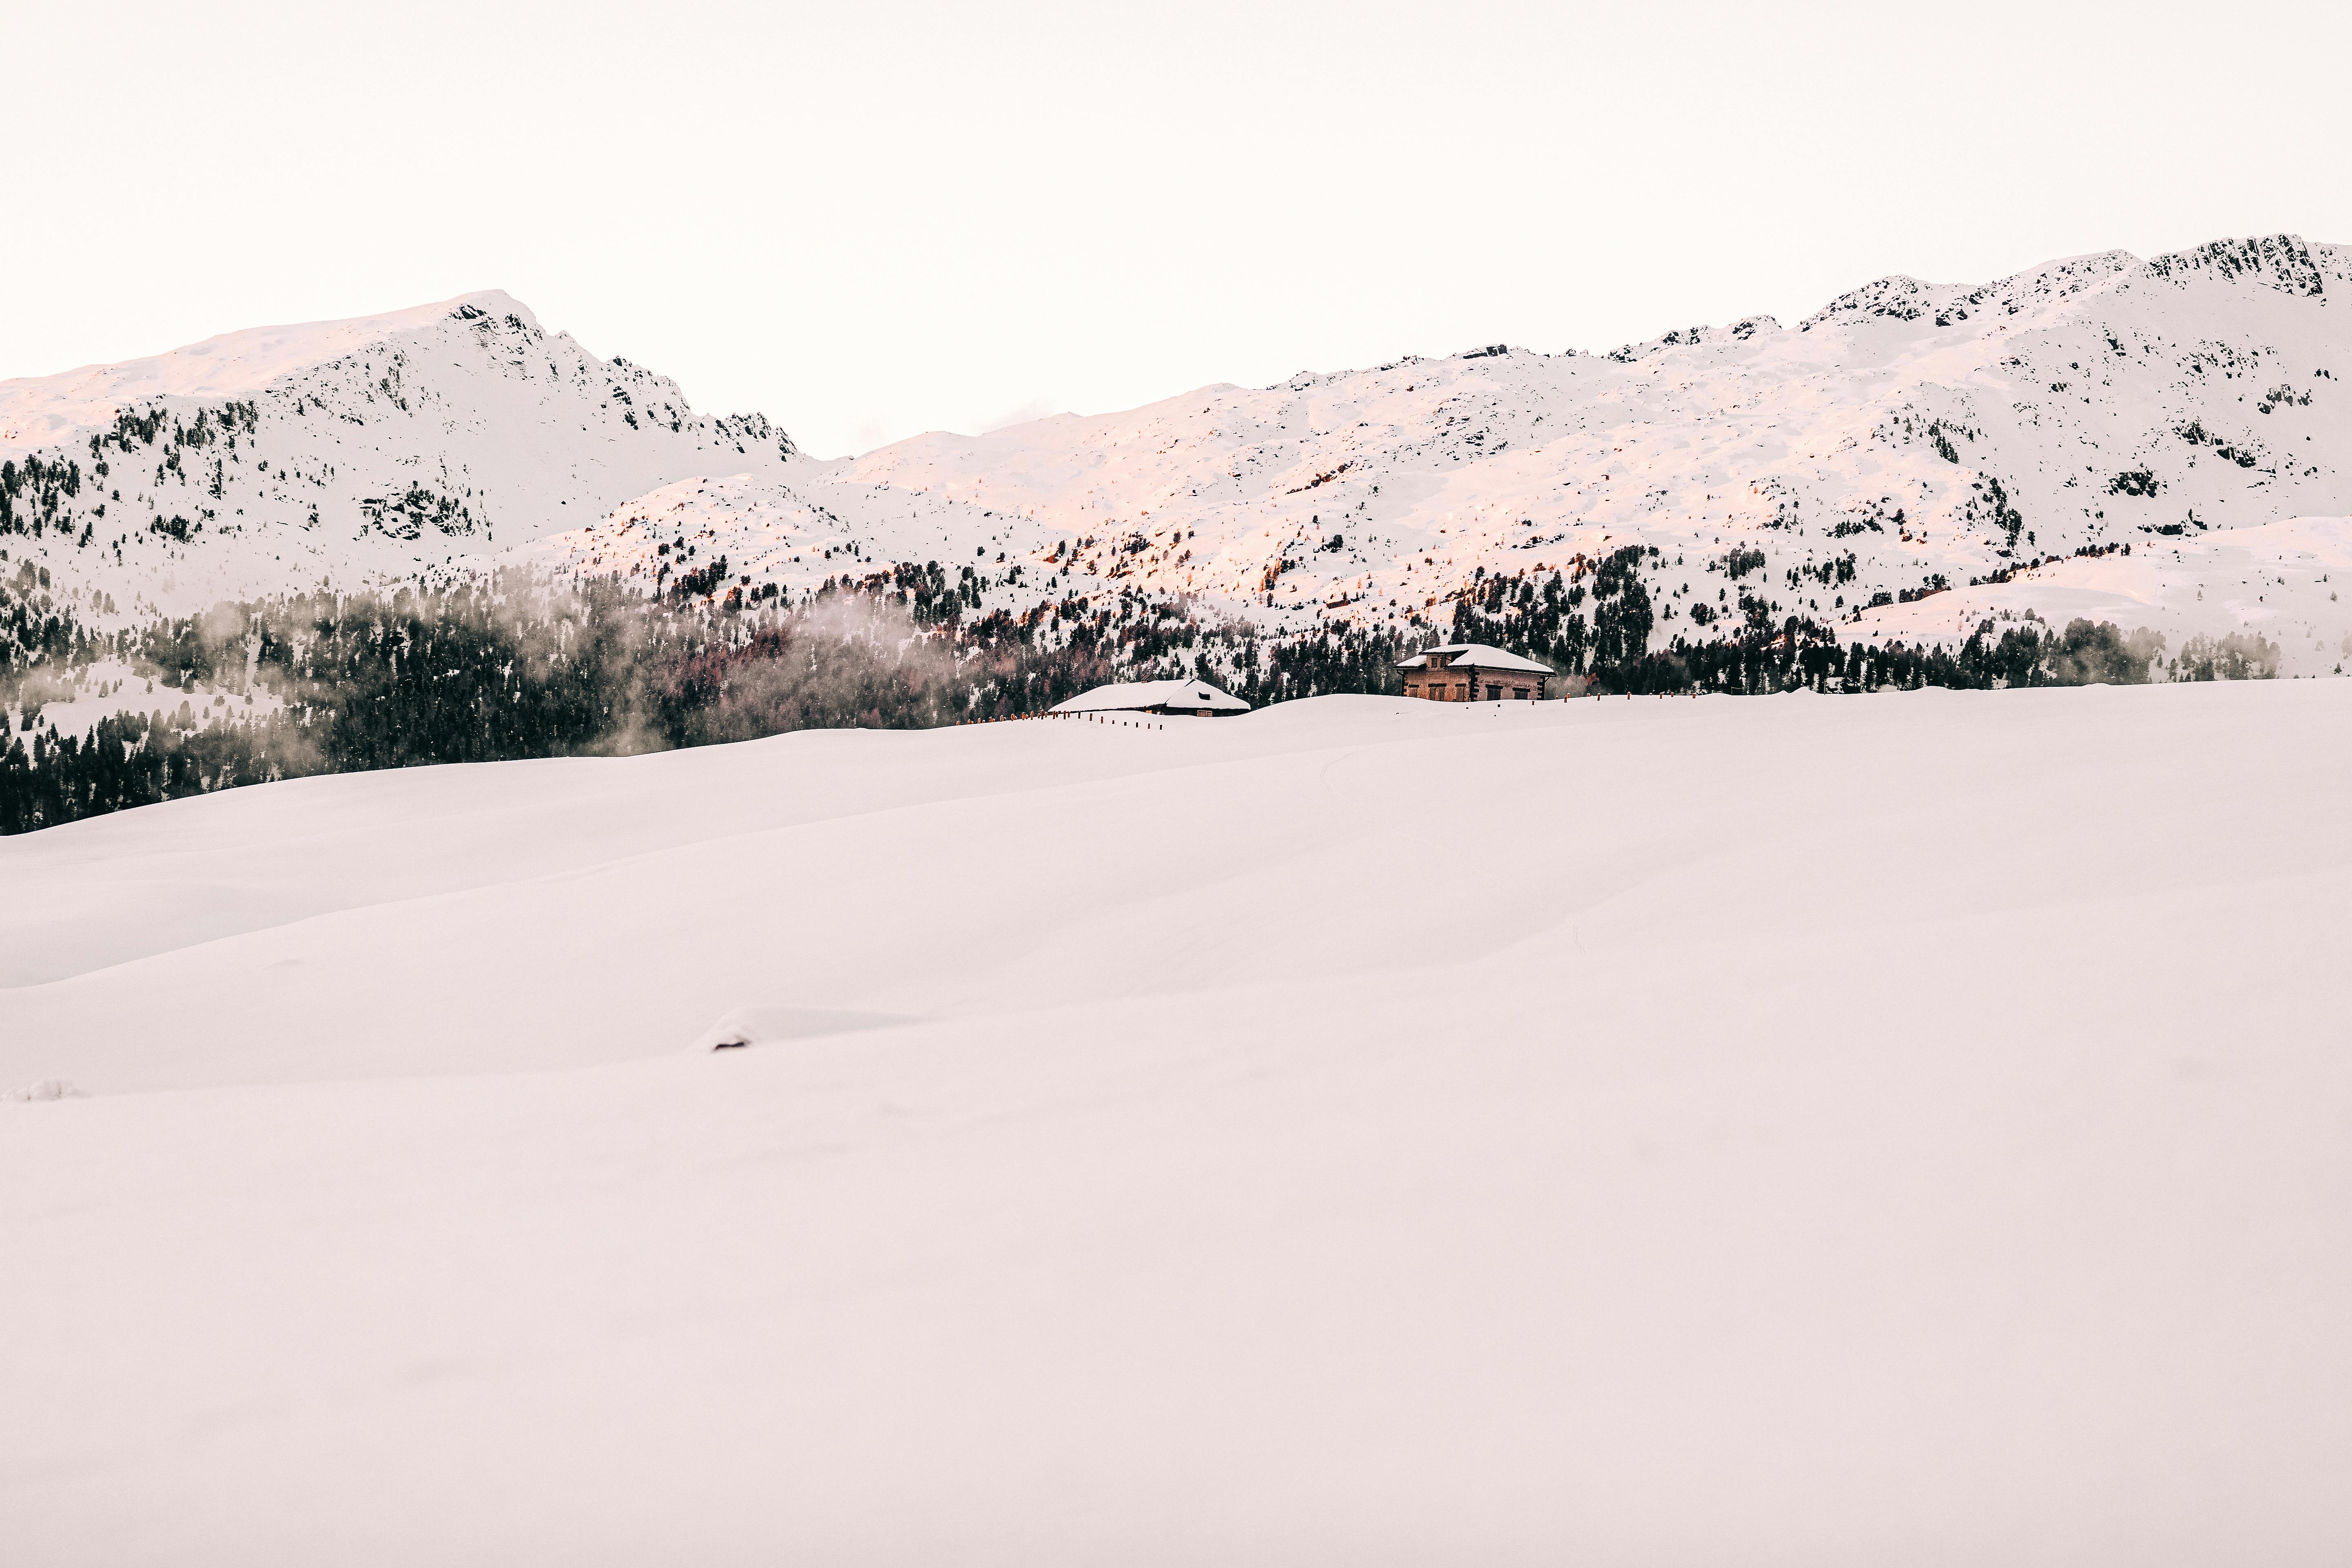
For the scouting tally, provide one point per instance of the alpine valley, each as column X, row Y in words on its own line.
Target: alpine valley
column 446, row 533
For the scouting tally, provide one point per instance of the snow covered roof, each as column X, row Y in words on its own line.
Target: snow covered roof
column 1126, row 696
column 1476, row 655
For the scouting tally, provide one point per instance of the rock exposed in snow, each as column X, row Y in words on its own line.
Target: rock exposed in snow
column 761, row 1025
column 45, row 1089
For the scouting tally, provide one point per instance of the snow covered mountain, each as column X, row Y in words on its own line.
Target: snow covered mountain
column 2152, row 444
column 280, row 457
column 1904, row 442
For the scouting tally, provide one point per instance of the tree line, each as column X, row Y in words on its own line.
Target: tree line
column 494, row 671
column 486, row 671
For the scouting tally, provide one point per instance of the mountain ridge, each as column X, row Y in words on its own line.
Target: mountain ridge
column 1979, row 449
column 346, row 452
column 1982, row 447
column 99, row 393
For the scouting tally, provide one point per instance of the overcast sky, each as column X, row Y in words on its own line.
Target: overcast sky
column 872, row 220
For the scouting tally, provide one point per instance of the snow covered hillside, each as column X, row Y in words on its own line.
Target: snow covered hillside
column 1985, row 450
column 1907, row 440
column 1906, row 1128
column 403, row 445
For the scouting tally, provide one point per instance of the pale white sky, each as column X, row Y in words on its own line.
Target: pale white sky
column 871, row 220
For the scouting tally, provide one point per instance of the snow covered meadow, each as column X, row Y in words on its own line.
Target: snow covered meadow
column 1809, row 1130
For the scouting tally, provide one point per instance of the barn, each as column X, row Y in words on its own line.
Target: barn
column 1473, row 672
column 1191, row 698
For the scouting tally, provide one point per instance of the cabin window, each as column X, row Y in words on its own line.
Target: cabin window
column 1494, row 693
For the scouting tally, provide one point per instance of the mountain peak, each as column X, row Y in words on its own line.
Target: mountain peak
column 2281, row 261
column 495, row 303
column 35, row 410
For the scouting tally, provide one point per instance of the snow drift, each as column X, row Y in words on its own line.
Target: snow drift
column 1905, row 1128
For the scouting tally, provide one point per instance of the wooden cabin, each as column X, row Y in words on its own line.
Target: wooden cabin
column 1473, row 672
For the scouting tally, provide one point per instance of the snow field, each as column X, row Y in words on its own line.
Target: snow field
column 1902, row 1127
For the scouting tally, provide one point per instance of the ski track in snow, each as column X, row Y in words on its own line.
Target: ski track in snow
column 1895, row 1128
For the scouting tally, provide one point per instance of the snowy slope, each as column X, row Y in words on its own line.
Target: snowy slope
column 802, row 529
column 1907, row 435
column 282, row 457
column 1946, row 1165
column 2283, row 581
column 1903, row 443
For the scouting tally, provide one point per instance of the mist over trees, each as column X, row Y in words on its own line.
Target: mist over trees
column 493, row 671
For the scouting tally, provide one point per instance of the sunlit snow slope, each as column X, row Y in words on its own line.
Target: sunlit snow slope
column 1875, row 1129
column 1908, row 440
column 1908, row 437
column 279, row 458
